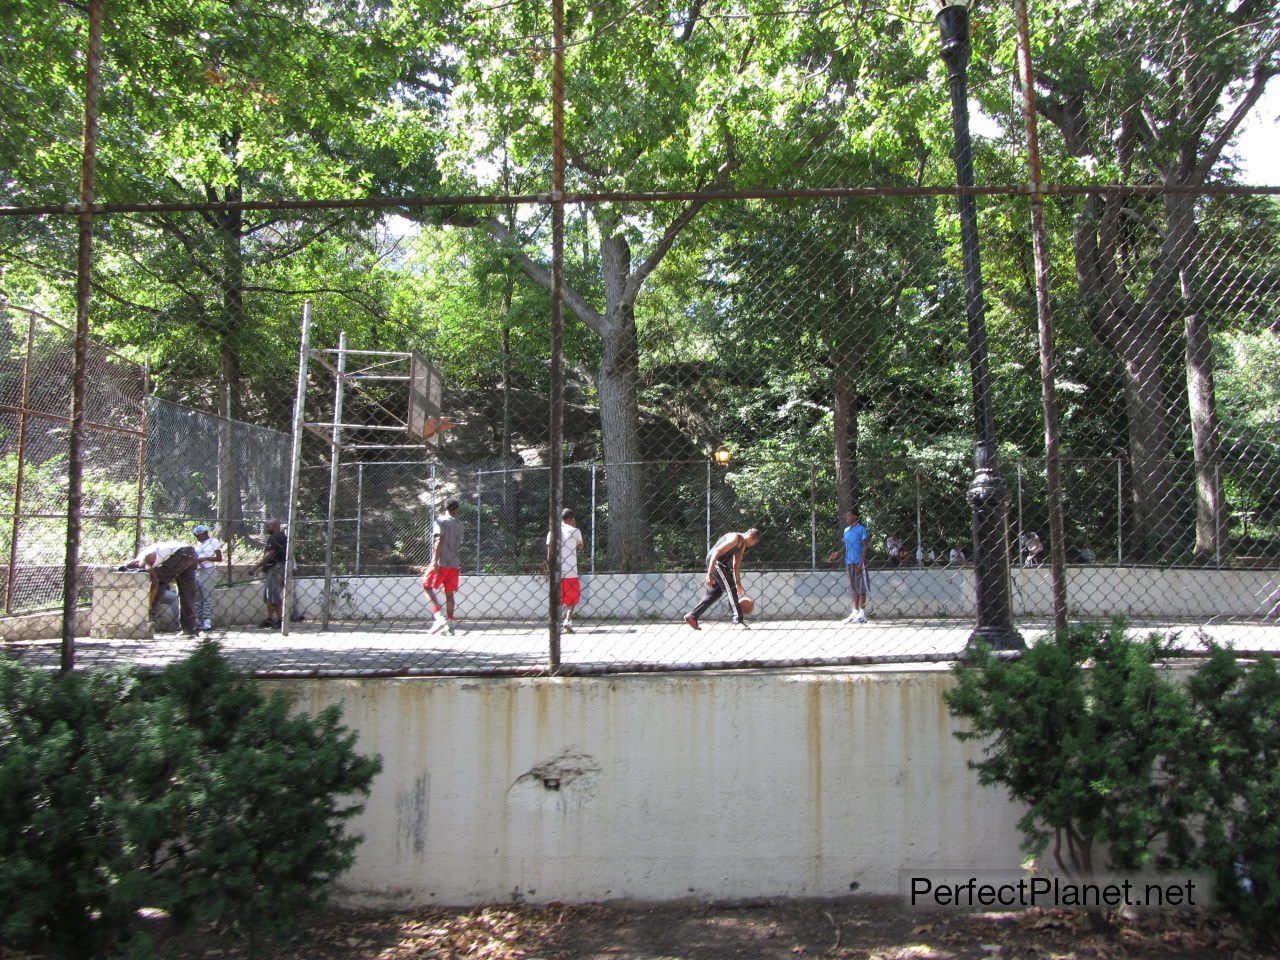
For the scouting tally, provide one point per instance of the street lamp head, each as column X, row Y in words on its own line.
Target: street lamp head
column 721, row 455
column 953, row 21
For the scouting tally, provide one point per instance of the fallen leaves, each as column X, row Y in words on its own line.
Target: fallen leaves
column 856, row 929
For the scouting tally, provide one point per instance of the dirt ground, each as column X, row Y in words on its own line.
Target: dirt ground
column 847, row 929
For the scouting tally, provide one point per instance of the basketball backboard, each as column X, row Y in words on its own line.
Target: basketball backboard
column 426, row 398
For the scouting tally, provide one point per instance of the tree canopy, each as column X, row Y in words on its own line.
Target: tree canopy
column 821, row 336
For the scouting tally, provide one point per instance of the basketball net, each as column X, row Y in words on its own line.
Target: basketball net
column 433, row 426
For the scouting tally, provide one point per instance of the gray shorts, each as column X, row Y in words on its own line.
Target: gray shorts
column 273, row 586
column 859, row 582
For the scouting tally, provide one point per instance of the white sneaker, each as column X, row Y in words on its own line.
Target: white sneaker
column 440, row 626
column 851, row 618
column 861, row 617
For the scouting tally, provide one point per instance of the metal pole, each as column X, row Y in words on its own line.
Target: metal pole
column 919, row 522
column 22, row 465
column 295, row 469
column 1019, row 527
column 707, row 548
column 988, row 495
column 226, row 457
column 1217, row 517
column 1048, row 365
column 79, row 374
column 593, row 518
column 1119, row 512
column 359, row 512
column 479, row 481
column 557, row 329
column 141, row 492
column 335, row 458
column 813, row 518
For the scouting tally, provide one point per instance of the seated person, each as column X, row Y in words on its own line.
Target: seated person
column 1033, row 548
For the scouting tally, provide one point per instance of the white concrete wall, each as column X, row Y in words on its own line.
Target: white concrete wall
column 730, row 785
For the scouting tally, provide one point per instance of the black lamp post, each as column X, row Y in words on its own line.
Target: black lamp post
column 988, row 494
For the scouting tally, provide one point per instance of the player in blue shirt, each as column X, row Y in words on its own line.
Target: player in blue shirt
column 853, row 544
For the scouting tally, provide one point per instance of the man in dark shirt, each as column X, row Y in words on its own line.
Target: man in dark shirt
column 273, row 564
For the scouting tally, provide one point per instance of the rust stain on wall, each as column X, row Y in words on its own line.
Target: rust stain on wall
column 813, row 726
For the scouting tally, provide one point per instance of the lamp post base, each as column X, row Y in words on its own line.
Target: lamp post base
column 997, row 638
column 988, row 497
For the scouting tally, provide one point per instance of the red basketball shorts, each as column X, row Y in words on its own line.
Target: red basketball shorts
column 570, row 591
column 446, row 577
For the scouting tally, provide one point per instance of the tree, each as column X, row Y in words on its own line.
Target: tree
column 698, row 99
column 1151, row 91
column 657, row 112
column 843, row 279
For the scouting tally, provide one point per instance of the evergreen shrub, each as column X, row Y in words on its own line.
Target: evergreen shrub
column 1090, row 730
column 188, row 792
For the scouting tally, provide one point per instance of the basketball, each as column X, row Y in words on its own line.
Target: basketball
column 746, row 604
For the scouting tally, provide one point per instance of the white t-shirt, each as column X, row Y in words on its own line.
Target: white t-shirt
column 570, row 543
column 205, row 550
column 163, row 551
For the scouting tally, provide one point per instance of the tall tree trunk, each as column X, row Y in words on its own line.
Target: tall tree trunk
column 1152, row 478
column 844, row 352
column 845, row 421
column 630, row 545
column 1211, row 516
column 1211, row 507
column 1135, row 334
column 230, row 237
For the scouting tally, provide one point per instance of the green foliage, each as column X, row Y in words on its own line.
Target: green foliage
column 1090, row 731
column 1230, row 762
column 1080, row 747
column 188, row 792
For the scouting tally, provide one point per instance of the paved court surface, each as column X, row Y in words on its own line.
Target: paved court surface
column 497, row 647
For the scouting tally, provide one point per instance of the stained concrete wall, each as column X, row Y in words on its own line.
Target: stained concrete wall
column 729, row 785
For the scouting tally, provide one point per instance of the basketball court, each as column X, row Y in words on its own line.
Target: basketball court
column 495, row 647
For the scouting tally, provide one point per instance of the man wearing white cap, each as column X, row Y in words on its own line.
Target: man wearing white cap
column 208, row 556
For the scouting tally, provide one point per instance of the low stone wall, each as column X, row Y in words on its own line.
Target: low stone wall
column 659, row 787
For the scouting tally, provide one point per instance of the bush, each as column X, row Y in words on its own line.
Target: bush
column 1089, row 731
column 188, row 792
column 1230, row 763
column 1082, row 748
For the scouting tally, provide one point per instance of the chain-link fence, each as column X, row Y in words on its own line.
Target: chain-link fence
column 154, row 470
column 759, row 274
